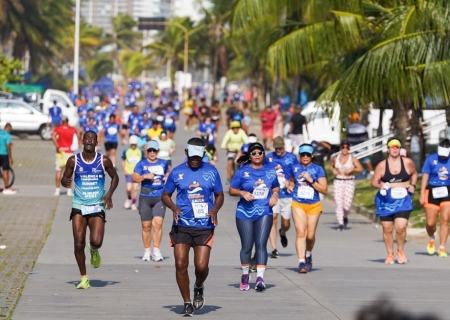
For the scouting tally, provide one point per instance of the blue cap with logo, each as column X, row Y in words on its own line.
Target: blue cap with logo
column 152, row 144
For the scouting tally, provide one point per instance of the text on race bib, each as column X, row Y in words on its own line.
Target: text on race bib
column 112, row 130
column 168, row 121
column 156, row 170
column 200, row 209
column 398, row 193
column 90, row 209
column 440, row 192
column 260, row 193
column 134, row 160
column 163, row 153
column 305, row 192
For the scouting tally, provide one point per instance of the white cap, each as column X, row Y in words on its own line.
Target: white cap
column 194, row 151
column 133, row 140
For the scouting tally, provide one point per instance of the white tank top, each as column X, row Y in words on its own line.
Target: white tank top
column 347, row 165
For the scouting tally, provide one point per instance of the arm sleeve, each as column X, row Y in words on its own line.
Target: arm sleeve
column 320, row 172
column 9, row 139
column 138, row 168
column 218, row 185
column 236, row 181
column 426, row 166
column 225, row 140
column 170, row 184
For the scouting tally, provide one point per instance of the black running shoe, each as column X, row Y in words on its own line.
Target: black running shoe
column 340, row 228
column 199, row 299
column 252, row 266
column 188, row 310
column 274, row 254
column 345, row 222
column 284, row 240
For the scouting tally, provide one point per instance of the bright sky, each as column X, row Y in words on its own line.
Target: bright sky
column 187, row 8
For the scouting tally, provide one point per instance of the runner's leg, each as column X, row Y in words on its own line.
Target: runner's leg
column 157, row 223
column 443, row 232
column 261, row 232
column 431, row 214
column 79, row 225
column 387, row 236
column 146, row 233
column 400, row 231
column 181, row 253
column 245, row 230
column 201, row 262
column 312, row 221
column 273, row 231
column 348, row 196
column 300, row 223
column 338, row 192
column 96, row 232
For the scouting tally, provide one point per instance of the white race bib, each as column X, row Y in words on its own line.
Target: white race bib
column 163, row 153
column 398, row 193
column 260, row 193
column 90, row 209
column 305, row 192
column 439, row 192
column 168, row 121
column 112, row 130
column 134, row 160
column 200, row 209
column 156, row 170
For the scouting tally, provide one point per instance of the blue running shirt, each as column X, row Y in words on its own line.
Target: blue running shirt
column 303, row 191
column 438, row 169
column 260, row 183
column 55, row 113
column 89, row 179
column 111, row 131
column 89, row 128
column 195, row 189
column 159, row 168
column 282, row 166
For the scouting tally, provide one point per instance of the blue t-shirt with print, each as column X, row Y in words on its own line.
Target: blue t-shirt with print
column 258, row 182
column 5, row 139
column 159, row 168
column 194, row 186
column 208, row 128
column 89, row 128
column 282, row 166
column 111, row 131
column 439, row 170
column 55, row 113
column 302, row 191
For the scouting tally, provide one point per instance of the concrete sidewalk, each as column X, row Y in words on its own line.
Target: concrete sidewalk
column 348, row 273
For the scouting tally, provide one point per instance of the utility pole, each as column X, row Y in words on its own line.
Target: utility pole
column 76, row 57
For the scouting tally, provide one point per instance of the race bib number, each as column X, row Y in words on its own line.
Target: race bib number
column 200, row 209
column 90, row 209
column 398, row 193
column 112, row 130
column 163, row 153
column 440, row 192
column 260, row 193
column 134, row 160
column 156, row 170
column 168, row 121
column 305, row 192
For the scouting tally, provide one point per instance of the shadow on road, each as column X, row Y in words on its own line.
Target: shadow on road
column 296, row 269
column 236, row 285
column 96, row 283
column 206, row 309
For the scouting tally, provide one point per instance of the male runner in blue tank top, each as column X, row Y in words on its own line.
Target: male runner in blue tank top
column 90, row 200
column 199, row 199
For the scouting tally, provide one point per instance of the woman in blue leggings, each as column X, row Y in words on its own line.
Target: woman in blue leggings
column 258, row 187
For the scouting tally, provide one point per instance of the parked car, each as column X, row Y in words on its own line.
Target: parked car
column 24, row 118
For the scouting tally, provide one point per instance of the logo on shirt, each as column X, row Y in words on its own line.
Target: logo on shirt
column 259, row 184
column 180, row 176
column 443, row 173
column 95, row 170
column 195, row 186
column 246, row 174
column 434, row 162
column 270, row 159
column 81, row 169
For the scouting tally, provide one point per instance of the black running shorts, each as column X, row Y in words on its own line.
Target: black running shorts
column 110, row 145
column 191, row 236
column 401, row 214
column 4, row 162
column 100, row 214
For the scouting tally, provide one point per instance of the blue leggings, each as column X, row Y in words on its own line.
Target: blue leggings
column 257, row 232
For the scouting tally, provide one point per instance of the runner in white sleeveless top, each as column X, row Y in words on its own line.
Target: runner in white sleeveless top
column 344, row 167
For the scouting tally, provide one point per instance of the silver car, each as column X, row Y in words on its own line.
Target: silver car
column 24, row 118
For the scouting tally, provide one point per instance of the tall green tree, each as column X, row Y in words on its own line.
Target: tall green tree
column 10, row 69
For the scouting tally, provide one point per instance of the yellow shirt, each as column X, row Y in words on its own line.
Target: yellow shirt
column 233, row 142
column 152, row 133
column 131, row 158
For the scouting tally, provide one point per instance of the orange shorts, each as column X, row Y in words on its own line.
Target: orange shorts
column 437, row 204
column 267, row 133
column 309, row 209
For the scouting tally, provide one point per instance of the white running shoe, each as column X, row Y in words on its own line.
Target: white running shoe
column 9, row 191
column 156, row 255
column 146, row 256
column 57, row 192
column 69, row 193
column 133, row 207
column 127, row 204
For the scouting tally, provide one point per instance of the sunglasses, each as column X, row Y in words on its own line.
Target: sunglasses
column 152, row 151
column 304, row 154
column 394, row 147
column 259, row 153
column 345, row 147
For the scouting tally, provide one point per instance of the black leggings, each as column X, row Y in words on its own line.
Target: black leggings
column 257, row 232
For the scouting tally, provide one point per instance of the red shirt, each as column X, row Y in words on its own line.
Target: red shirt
column 268, row 119
column 65, row 137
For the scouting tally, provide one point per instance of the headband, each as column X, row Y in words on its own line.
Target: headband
column 306, row 149
column 443, row 152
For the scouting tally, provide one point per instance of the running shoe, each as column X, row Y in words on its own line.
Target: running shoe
column 308, row 263
column 260, row 285
column 302, row 268
column 84, row 283
column 57, row 193
column 146, row 256
column 390, row 259
column 345, row 222
column 442, row 253
column 9, row 191
column 96, row 260
column 188, row 310
column 156, row 255
column 133, row 207
column 199, row 298
column 274, row 254
column 69, row 193
column 252, row 266
column 244, row 285
column 341, row 227
column 430, row 247
column 284, row 239
column 401, row 258
column 127, row 204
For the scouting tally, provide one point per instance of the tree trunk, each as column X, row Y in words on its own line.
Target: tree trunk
column 261, row 91
column 215, row 70
column 295, row 93
column 401, row 121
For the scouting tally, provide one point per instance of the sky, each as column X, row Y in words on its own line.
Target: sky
column 187, row 8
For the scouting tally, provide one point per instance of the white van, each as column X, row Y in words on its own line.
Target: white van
column 63, row 101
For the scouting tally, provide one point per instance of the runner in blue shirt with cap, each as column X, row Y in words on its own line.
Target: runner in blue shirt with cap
column 199, row 199
column 55, row 113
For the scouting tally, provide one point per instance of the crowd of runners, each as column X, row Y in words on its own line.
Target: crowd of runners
column 275, row 179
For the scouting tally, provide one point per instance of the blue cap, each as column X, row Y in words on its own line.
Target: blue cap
column 152, row 144
column 306, row 149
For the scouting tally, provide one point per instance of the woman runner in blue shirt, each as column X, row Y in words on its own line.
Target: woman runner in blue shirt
column 258, row 188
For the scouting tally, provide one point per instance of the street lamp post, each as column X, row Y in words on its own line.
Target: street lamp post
column 76, row 57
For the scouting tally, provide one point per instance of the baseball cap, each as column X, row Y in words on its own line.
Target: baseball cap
column 195, row 151
column 252, row 139
column 306, row 149
column 152, row 144
column 64, row 119
column 278, row 142
column 133, row 140
column 254, row 146
column 235, row 124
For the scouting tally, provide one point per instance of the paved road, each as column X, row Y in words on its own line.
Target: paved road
column 348, row 273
